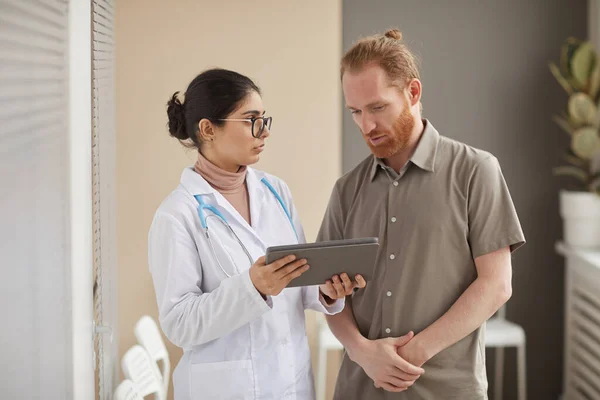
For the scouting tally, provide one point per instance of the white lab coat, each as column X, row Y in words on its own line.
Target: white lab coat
column 236, row 345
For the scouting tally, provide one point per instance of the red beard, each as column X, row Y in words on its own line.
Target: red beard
column 395, row 140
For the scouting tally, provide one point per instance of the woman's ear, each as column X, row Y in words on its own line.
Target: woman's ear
column 206, row 131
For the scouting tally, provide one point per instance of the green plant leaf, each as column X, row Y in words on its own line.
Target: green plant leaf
column 561, row 79
column 570, row 45
column 597, row 122
column 582, row 63
column 594, row 185
column 582, row 109
column 574, row 160
column 574, row 172
column 585, row 142
column 564, row 124
column 595, row 81
column 594, row 166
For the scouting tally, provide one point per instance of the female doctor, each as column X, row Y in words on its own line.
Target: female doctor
column 242, row 332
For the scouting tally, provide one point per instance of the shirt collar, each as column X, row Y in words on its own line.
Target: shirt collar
column 424, row 154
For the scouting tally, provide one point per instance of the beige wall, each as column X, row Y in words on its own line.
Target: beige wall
column 291, row 49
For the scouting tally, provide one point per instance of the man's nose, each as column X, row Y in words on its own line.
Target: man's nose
column 367, row 125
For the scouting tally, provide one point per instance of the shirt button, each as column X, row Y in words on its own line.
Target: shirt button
column 388, row 330
column 395, row 183
column 392, row 256
column 393, row 219
column 389, row 294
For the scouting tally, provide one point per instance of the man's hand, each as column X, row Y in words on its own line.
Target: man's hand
column 413, row 353
column 341, row 286
column 381, row 362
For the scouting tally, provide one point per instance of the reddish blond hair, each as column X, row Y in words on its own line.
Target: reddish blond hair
column 386, row 50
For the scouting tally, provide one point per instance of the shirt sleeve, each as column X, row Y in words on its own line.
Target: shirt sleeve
column 333, row 222
column 314, row 300
column 493, row 220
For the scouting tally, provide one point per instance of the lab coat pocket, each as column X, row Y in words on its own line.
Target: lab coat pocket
column 222, row 380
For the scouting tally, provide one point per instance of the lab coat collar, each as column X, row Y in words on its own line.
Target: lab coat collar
column 256, row 193
column 195, row 184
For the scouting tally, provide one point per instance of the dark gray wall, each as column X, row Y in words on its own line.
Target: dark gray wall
column 486, row 82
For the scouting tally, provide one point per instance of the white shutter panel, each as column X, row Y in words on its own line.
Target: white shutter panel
column 104, row 177
column 35, row 338
column 583, row 339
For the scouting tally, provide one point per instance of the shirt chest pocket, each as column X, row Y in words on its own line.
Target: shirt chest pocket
column 364, row 221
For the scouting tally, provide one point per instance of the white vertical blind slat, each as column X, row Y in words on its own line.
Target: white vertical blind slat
column 11, row 16
column 35, row 197
column 104, row 163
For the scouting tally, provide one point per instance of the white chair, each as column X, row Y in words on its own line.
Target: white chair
column 127, row 390
column 501, row 333
column 325, row 341
column 148, row 335
column 139, row 367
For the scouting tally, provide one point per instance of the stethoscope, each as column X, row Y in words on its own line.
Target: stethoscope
column 202, row 206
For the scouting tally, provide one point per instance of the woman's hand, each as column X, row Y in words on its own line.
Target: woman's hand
column 337, row 288
column 271, row 279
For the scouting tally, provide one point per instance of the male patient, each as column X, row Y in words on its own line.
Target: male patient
column 446, row 225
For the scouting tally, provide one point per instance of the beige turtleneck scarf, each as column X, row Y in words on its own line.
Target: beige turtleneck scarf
column 232, row 185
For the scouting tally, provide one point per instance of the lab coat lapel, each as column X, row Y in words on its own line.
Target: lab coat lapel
column 195, row 184
column 240, row 226
column 256, row 194
column 256, row 191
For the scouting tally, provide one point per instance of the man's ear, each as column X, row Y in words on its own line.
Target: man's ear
column 414, row 91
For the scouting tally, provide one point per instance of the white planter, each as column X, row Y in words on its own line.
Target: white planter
column 581, row 218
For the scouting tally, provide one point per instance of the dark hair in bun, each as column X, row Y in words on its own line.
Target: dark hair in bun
column 176, row 115
column 214, row 95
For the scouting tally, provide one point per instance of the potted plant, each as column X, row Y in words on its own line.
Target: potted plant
column 579, row 75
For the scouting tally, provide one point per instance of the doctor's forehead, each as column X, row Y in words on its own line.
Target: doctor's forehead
column 251, row 105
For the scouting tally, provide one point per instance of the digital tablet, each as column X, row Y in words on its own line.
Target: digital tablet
column 352, row 256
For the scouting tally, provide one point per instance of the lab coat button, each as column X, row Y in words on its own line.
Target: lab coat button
column 388, row 330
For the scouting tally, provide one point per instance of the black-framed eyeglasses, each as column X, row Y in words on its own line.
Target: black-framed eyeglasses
column 258, row 124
